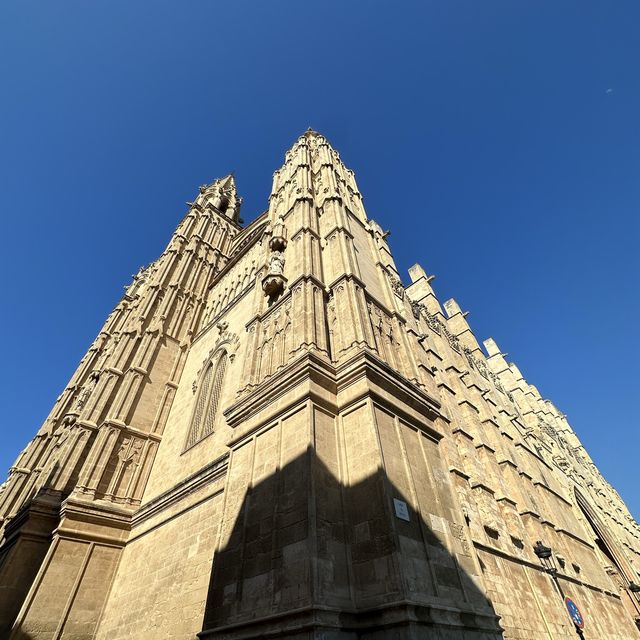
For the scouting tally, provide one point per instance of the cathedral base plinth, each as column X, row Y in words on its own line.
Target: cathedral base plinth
column 76, row 573
column 27, row 539
column 399, row 620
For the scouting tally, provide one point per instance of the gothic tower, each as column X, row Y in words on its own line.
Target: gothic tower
column 272, row 436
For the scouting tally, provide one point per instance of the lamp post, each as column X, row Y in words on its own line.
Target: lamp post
column 545, row 555
column 635, row 589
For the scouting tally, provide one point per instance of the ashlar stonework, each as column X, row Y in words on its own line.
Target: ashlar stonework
column 273, row 436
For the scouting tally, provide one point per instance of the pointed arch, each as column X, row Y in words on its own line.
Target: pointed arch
column 201, row 405
column 206, row 407
column 214, row 396
column 604, row 539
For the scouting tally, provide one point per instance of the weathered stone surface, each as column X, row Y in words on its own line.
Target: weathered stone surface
column 273, row 437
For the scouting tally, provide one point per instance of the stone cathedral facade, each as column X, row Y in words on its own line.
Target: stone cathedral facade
column 273, row 436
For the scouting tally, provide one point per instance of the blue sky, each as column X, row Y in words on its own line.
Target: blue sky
column 499, row 141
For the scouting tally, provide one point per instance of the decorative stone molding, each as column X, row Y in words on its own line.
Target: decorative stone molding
column 396, row 285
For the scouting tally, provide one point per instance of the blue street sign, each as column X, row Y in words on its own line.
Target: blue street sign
column 574, row 612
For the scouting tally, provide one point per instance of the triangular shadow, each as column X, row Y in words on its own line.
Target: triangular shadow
column 308, row 556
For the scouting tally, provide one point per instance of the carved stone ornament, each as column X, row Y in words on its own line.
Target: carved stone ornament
column 129, row 450
column 278, row 241
column 63, row 434
column 276, row 263
column 453, row 340
column 82, row 398
column 87, row 389
column 396, row 285
column 274, row 282
column 434, row 323
column 222, row 326
column 470, row 357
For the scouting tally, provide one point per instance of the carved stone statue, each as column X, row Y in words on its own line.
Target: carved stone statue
column 276, row 263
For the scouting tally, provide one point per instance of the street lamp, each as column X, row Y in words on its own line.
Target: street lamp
column 545, row 555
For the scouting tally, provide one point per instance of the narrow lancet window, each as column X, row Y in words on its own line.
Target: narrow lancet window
column 206, row 409
column 214, row 397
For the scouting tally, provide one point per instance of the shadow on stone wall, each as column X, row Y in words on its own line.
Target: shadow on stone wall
column 309, row 557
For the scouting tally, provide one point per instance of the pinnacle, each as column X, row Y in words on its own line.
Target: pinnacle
column 226, row 183
column 222, row 194
column 313, row 136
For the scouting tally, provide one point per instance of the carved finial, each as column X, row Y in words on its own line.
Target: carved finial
column 222, row 326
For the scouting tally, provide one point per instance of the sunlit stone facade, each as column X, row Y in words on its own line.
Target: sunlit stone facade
column 273, row 435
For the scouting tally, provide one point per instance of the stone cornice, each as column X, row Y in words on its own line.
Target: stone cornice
column 337, row 227
column 337, row 388
column 178, row 492
column 307, row 277
column 350, row 276
column 46, row 505
column 575, row 536
column 94, row 521
column 128, row 429
column 533, row 565
column 552, row 491
column 310, row 367
column 365, row 366
column 305, row 229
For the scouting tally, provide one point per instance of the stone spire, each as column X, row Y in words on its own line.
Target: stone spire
column 329, row 263
column 222, row 196
column 314, row 171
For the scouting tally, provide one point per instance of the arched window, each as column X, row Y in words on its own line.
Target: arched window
column 206, row 409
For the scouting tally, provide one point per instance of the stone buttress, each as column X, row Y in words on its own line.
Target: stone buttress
column 67, row 504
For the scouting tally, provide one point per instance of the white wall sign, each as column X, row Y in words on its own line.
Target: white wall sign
column 402, row 511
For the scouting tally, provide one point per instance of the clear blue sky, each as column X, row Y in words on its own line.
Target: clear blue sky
column 499, row 141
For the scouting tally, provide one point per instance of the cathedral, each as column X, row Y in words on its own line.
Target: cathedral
column 275, row 435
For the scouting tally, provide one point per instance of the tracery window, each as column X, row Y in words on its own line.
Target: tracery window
column 206, row 409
